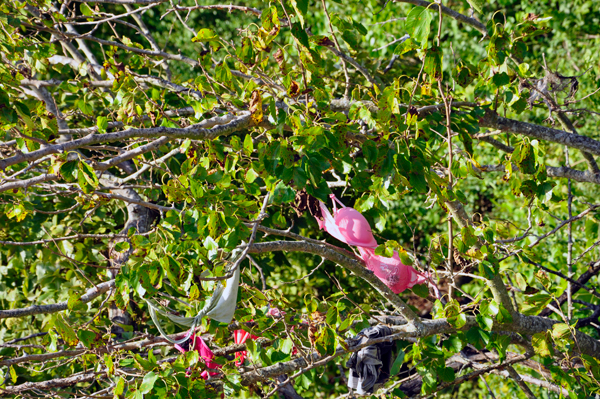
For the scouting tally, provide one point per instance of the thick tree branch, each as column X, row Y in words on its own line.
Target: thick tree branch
column 353, row 265
column 90, row 295
column 16, row 185
column 583, row 143
column 242, row 121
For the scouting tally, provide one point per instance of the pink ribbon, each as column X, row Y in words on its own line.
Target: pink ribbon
column 197, row 343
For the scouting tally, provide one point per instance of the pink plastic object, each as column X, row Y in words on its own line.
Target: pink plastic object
column 197, row 343
column 350, row 226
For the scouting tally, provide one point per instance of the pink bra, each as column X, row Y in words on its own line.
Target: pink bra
column 350, row 226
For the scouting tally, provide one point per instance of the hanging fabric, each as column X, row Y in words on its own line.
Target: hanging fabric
column 198, row 344
column 370, row 367
column 220, row 306
column 351, row 227
column 240, row 337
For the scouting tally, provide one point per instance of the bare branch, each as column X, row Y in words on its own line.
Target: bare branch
column 450, row 12
column 90, row 295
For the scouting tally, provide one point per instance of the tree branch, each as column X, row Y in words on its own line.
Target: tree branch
column 450, row 12
column 351, row 264
column 90, row 295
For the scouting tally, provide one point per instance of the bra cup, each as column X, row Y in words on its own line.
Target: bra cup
column 391, row 271
column 355, row 228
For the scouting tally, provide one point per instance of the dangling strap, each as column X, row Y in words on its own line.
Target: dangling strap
column 430, row 283
column 334, row 200
column 193, row 322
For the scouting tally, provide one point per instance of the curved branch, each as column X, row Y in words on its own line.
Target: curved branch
column 353, row 265
column 583, row 143
column 15, row 185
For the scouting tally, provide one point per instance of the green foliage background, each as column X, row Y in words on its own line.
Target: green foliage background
column 211, row 182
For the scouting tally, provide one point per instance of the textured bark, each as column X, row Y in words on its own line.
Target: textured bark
column 287, row 391
column 91, row 294
column 192, row 132
column 583, row 143
column 353, row 265
column 55, row 383
column 139, row 218
column 15, row 185
column 132, row 154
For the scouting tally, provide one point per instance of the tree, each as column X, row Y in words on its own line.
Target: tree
column 145, row 140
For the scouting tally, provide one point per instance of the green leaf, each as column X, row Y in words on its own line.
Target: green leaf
column 251, row 175
column 486, row 323
column 433, row 63
column 477, row 5
column 119, row 387
column 86, row 337
column 18, row 212
column 504, row 315
column 397, row 363
column 418, row 24
column 86, row 10
column 87, row 179
column 102, row 123
column 300, row 34
column 369, row 148
column 453, row 344
column 561, row 331
column 520, row 281
column 248, row 145
column 205, row 35
column 74, row 301
column 110, row 365
column 287, row 346
column 172, row 269
column 465, row 73
column 13, row 374
column 65, row 330
column 68, row 171
column 405, row 47
column 301, row 8
column 246, row 52
column 282, row 194
column 148, row 382
column 331, row 316
column 447, row 374
column 421, row 290
column 534, row 304
column 542, row 345
column 500, row 79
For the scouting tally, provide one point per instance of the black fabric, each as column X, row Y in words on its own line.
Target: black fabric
column 370, row 367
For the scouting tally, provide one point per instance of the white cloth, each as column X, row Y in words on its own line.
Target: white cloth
column 220, row 306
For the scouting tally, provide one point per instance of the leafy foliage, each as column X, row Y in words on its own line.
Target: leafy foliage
column 140, row 142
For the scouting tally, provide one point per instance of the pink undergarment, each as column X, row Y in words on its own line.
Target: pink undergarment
column 350, row 226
